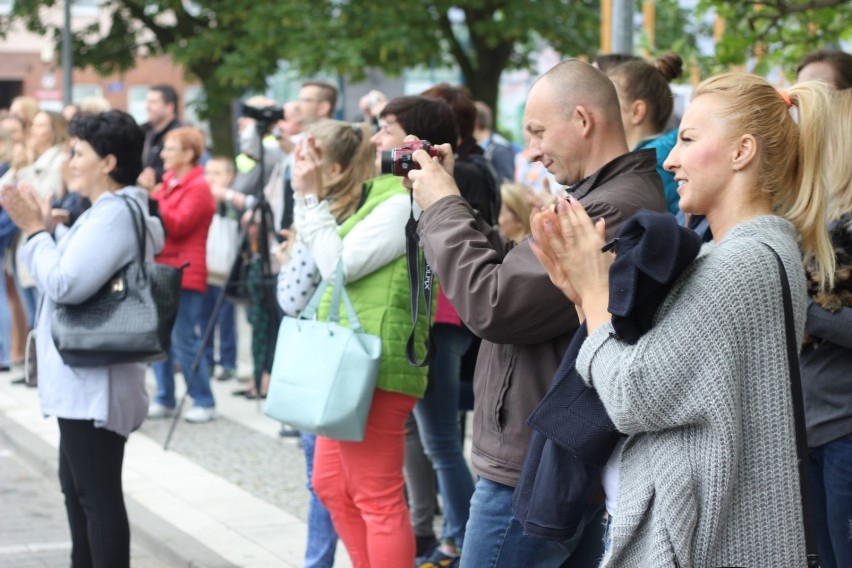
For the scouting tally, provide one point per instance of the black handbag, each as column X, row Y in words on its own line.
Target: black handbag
column 129, row 319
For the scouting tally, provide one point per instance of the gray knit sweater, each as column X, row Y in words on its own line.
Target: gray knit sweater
column 708, row 472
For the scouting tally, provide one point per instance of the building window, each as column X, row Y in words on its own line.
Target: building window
column 136, row 102
column 83, row 91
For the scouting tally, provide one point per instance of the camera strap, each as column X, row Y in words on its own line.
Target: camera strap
column 416, row 264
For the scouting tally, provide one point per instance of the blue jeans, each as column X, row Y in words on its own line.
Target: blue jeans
column 322, row 538
column 437, row 416
column 186, row 341
column 831, row 477
column 226, row 321
column 495, row 538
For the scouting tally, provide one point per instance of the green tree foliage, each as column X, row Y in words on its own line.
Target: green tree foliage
column 778, row 32
column 227, row 46
column 481, row 37
column 232, row 46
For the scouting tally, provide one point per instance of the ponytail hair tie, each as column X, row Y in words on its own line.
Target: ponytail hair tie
column 786, row 98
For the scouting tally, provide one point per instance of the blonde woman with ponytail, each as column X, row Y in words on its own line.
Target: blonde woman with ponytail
column 708, row 473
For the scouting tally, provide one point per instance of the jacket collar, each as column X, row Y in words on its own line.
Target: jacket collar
column 639, row 161
column 171, row 183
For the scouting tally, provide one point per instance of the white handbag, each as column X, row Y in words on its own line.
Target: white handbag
column 222, row 247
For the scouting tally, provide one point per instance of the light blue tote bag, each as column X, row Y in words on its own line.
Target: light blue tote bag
column 324, row 374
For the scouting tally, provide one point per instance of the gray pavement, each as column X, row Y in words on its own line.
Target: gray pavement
column 230, row 493
column 33, row 526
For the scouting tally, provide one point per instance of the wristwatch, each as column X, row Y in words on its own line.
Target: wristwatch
column 309, row 201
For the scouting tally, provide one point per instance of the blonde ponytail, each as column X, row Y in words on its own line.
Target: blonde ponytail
column 807, row 208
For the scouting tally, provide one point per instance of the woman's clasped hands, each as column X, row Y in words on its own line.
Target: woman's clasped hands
column 26, row 209
column 568, row 244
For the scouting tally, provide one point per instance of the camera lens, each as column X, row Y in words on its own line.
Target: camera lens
column 387, row 162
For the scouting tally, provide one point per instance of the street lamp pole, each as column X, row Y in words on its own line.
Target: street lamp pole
column 622, row 26
column 67, row 61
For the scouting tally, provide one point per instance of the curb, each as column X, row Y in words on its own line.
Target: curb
column 165, row 542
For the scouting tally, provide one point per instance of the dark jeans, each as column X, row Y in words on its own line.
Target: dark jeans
column 831, row 477
column 226, row 322
column 90, row 461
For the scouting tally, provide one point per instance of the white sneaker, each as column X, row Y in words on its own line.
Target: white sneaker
column 200, row 414
column 157, row 410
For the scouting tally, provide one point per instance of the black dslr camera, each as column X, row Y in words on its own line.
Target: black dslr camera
column 399, row 161
column 267, row 115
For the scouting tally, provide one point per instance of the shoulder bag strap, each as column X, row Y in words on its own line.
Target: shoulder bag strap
column 799, row 417
column 139, row 228
column 412, row 253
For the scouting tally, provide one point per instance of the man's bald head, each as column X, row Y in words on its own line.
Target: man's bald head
column 573, row 121
column 578, row 83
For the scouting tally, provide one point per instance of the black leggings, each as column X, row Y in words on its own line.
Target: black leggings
column 90, row 461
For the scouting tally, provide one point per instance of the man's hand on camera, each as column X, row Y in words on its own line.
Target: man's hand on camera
column 434, row 179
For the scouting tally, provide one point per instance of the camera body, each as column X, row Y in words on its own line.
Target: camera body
column 399, row 160
column 266, row 115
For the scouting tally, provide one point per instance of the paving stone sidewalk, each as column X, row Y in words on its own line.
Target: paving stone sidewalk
column 33, row 527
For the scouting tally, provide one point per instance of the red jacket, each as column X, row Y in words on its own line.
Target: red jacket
column 186, row 207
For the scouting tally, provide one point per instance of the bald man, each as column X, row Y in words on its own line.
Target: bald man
column 503, row 295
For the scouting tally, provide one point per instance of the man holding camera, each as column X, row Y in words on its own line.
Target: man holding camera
column 503, row 294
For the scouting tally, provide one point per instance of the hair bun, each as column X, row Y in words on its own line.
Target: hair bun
column 670, row 65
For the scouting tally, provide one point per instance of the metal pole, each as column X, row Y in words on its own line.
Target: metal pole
column 622, row 26
column 67, row 62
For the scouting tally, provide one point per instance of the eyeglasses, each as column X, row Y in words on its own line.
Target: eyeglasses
column 307, row 100
column 172, row 148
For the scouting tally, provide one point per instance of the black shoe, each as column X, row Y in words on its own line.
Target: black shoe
column 425, row 544
column 288, row 432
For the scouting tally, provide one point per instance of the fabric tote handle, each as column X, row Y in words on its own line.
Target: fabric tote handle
column 338, row 292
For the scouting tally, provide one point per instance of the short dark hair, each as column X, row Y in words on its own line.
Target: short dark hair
column 461, row 101
column 840, row 61
column 168, row 93
column 113, row 132
column 328, row 92
column 427, row 118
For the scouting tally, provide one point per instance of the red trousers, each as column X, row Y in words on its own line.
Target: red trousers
column 362, row 486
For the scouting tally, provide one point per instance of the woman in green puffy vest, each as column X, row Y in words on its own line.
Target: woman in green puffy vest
column 361, row 483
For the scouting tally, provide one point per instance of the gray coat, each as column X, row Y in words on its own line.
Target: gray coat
column 69, row 270
column 708, row 473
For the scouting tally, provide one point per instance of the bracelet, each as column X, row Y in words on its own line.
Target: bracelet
column 31, row 235
column 309, row 201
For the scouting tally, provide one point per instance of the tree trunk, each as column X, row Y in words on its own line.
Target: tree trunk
column 484, row 85
column 218, row 113
column 483, row 80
